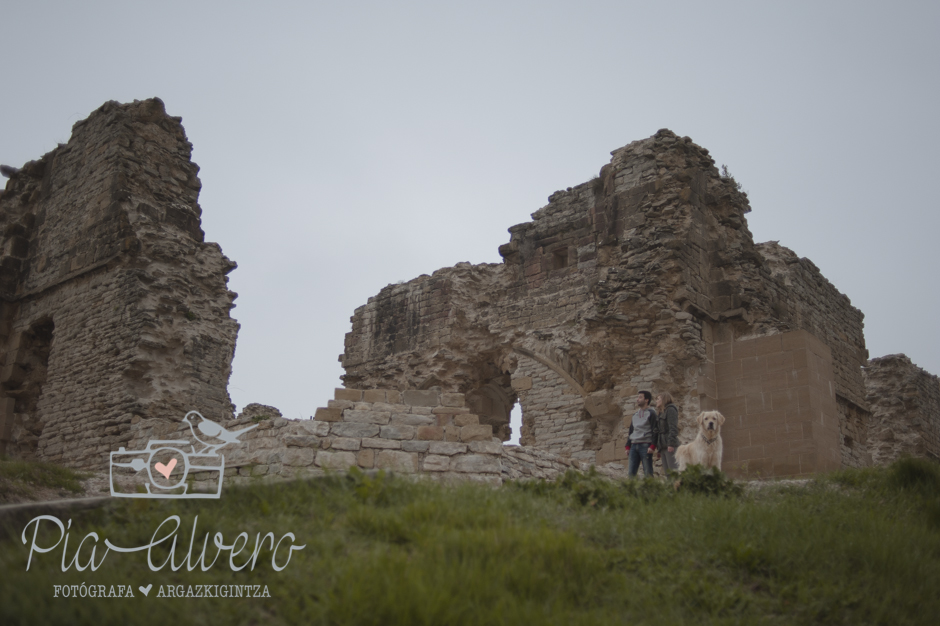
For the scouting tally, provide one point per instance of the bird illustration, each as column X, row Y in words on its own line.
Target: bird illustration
column 208, row 428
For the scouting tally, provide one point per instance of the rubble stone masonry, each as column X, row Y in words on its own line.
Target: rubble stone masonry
column 114, row 312
column 905, row 410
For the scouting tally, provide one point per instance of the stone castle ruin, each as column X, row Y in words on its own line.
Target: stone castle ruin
column 114, row 321
column 114, row 313
column 647, row 277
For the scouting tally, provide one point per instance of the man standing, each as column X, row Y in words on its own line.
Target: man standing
column 642, row 435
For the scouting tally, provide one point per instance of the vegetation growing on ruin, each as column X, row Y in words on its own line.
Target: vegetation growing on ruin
column 856, row 547
column 22, row 477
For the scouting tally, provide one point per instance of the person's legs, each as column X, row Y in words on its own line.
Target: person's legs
column 633, row 464
column 647, row 459
column 669, row 461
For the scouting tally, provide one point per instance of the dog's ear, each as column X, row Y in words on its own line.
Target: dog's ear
column 721, row 418
column 701, row 418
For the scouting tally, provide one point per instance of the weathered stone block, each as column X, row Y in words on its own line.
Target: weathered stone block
column 366, row 458
column 354, row 429
column 298, row 457
column 345, row 443
column 304, row 441
column 452, row 399
column 477, row 464
column 466, row 420
column 415, row 446
column 396, row 461
column 478, row 432
column 447, row 448
column 411, row 419
column 367, row 417
column 319, row 428
column 435, row 463
column 328, row 415
column 374, row 395
column 415, row 397
column 397, row 432
column 353, row 395
column 430, row 433
column 335, row 460
column 486, row 447
column 388, row 444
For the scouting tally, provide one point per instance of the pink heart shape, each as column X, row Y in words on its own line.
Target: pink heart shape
column 166, row 469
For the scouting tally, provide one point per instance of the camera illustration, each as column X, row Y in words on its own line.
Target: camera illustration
column 168, row 468
column 163, row 468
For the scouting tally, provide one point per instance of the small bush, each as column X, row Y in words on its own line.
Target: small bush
column 919, row 475
column 726, row 176
column 595, row 491
column 707, row 481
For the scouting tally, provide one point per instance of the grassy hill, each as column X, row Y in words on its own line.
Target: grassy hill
column 857, row 547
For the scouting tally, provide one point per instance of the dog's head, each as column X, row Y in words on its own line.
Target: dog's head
column 710, row 422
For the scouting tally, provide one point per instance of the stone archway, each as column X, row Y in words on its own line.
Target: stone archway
column 493, row 402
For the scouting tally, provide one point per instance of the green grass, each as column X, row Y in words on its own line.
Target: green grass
column 857, row 547
column 21, row 477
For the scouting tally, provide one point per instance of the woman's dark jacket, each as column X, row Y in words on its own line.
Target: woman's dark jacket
column 667, row 428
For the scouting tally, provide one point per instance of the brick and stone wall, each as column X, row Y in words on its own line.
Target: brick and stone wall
column 114, row 311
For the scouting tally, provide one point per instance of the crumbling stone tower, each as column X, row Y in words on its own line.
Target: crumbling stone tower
column 114, row 311
column 645, row 277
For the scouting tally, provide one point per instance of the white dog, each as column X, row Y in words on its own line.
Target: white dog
column 705, row 449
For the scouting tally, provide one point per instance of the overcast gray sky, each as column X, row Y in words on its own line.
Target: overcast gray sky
column 348, row 145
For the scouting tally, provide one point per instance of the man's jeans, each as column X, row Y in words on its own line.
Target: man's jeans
column 640, row 452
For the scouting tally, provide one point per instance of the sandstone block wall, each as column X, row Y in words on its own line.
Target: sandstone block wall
column 114, row 311
column 777, row 394
column 415, row 432
column 411, row 431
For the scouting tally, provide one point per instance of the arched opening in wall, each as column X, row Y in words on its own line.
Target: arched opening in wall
column 515, row 424
column 493, row 403
column 23, row 379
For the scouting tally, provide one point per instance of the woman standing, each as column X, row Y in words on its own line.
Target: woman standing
column 668, row 416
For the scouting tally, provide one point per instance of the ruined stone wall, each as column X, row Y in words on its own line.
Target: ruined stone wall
column 114, row 310
column 623, row 283
column 854, row 443
column 114, row 321
column 591, row 289
column 414, row 432
column 801, row 297
column 905, row 410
